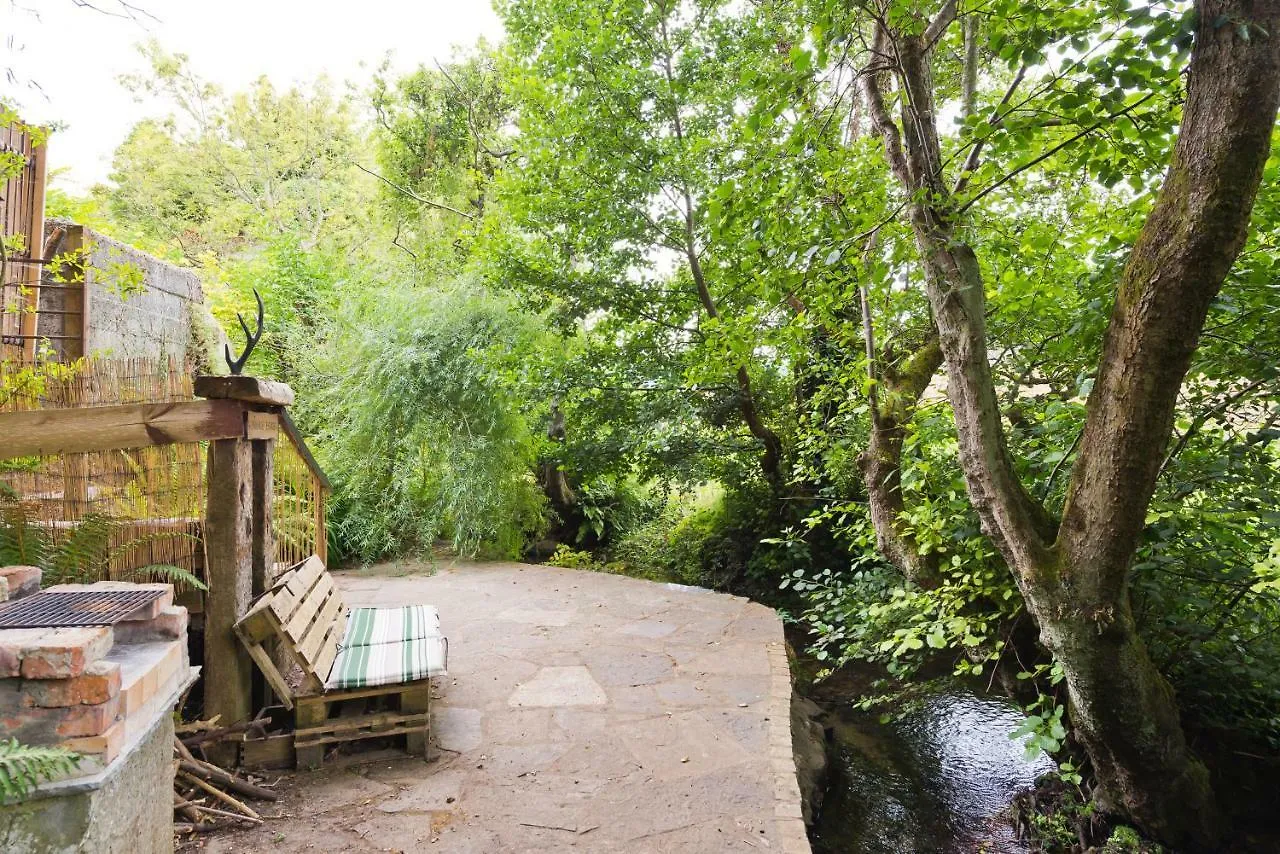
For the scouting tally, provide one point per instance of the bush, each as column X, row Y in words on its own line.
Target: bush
column 571, row 558
column 420, row 430
column 671, row 545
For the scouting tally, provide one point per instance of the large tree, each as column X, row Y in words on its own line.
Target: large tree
column 1074, row 572
column 628, row 117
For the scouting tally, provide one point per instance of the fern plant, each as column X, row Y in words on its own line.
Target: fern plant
column 23, row 767
column 84, row 554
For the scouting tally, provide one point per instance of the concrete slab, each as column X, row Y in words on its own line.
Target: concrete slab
column 583, row 712
column 556, row 687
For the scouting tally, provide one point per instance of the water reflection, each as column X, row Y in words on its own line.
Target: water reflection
column 935, row 781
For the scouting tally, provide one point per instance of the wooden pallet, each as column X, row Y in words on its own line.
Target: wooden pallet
column 305, row 613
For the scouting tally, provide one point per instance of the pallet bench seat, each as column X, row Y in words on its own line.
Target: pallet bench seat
column 365, row 671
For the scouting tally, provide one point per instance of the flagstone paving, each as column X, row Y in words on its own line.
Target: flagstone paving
column 583, row 711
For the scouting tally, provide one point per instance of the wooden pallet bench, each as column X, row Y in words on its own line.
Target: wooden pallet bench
column 365, row 671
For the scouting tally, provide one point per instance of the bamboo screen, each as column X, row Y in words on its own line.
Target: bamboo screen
column 297, row 505
column 93, row 382
column 142, row 506
column 103, row 513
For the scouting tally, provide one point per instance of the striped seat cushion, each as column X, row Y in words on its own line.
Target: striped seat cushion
column 389, row 663
column 368, row 626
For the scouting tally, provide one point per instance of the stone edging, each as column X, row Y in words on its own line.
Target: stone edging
column 782, row 761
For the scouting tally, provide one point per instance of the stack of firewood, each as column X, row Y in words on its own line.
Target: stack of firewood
column 205, row 796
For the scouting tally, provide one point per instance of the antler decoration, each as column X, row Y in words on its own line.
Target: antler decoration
column 252, row 338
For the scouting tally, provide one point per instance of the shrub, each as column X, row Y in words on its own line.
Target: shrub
column 571, row 558
column 420, row 431
column 671, row 545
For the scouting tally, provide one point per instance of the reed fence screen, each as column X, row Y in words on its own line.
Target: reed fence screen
column 105, row 514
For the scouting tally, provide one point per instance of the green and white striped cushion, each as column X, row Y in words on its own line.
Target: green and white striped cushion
column 367, row 626
column 388, row 663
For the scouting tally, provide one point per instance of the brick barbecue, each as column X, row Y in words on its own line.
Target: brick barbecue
column 90, row 688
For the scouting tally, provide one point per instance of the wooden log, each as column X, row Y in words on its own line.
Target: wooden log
column 214, row 774
column 221, row 776
column 244, row 809
column 247, row 389
column 44, row 432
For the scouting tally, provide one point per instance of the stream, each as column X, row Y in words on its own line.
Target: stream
column 935, row 780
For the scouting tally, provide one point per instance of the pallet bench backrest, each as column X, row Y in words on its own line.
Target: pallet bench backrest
column 305, row 612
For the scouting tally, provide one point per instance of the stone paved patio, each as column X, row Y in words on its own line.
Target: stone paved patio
column 583, row 711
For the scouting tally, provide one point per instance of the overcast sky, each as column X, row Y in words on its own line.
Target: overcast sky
column 75, row 55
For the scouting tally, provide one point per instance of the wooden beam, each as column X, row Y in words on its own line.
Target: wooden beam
column 248, row 389
column 107, row 428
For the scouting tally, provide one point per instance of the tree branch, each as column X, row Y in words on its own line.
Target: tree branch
column 1009, row 176
column 997, row 119
column 412, row 195
column 938, row 26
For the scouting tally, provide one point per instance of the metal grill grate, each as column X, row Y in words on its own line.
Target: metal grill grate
column 53, row 609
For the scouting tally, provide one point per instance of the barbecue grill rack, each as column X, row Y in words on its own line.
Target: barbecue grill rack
column 57, row 609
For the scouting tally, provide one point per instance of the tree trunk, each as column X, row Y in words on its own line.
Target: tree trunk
column 1178, row 264
column 1075, row 579
column 892, row 404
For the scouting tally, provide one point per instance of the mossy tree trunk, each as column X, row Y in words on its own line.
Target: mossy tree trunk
column 896, row 393
column 1074, row 576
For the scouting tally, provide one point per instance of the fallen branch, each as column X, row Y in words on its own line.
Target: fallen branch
column 225, row 814
column 221, row 795
column 219, row 733
column 213, row 774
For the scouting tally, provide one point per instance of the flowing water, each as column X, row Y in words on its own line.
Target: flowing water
column 936, row 780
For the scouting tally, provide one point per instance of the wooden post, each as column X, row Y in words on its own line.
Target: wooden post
column 239, row 537
column 264, row 542
column 34, row 173
column 228, row 543
column 322, row 531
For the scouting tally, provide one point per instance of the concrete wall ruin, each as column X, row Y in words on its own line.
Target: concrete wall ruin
column 133, row 304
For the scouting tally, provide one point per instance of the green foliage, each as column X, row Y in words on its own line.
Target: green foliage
column 440, row 137
column 222, row 172
column 1125, row 840
column 23, row 767
column 1044, row 730
column 672, row 545
column 641, row 199
column 571, row 558
column 420, row 429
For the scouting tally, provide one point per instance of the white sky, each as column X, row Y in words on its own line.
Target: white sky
column 75, row 55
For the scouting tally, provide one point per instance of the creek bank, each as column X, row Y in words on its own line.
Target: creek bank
column 937, row 772
column 813, row 748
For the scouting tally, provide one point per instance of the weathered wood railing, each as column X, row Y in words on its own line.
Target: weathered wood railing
column 300, row 491
column 22, row 220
